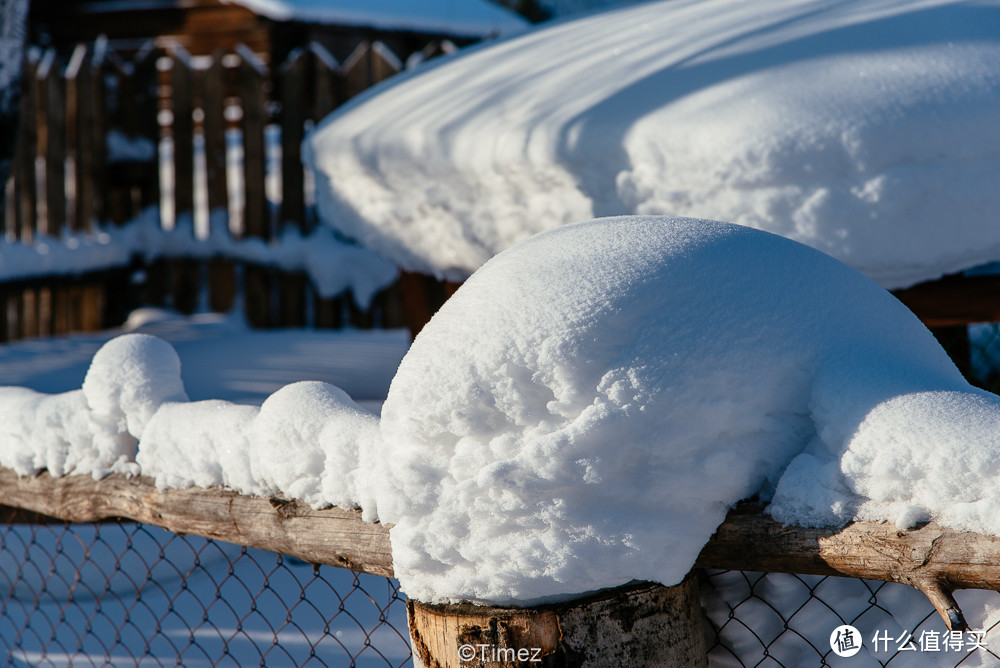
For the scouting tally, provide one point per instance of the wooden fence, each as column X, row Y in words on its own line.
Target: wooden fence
column 88, row 154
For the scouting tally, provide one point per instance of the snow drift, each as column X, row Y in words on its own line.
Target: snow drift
column 867, row 130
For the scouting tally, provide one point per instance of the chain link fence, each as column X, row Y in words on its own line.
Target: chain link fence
column 775, row 619
column 127, row 594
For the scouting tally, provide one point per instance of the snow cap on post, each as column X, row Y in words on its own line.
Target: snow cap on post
column 586, row 408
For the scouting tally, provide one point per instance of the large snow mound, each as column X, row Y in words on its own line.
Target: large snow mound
column 473, row 18
column 586, row 408
column 867, row 130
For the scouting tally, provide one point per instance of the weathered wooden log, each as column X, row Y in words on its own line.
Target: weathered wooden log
column 932, row 558
column 332, row 536
column 640, row 624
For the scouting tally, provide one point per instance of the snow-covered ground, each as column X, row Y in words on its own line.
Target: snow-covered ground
column 865, row 129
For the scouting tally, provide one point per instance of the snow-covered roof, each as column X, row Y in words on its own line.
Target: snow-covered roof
column 472, row 18
column 867, row 130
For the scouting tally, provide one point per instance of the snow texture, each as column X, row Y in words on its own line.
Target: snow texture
column 306, row 441
column 332, row 264
column 93, row 430
column 867, row 130
column 471, row 18
column 587, row 407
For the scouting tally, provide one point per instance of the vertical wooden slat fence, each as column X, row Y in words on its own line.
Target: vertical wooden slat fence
column 88, row 155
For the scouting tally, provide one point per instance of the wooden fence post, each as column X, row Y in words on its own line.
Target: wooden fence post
column 185, row 274
column 256, row 212
column 639, row 625
column 53, row 134
column 26, row 152
column 221, row 272
column 326, row 89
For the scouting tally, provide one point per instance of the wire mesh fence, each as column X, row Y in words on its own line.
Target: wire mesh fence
column 775, row 619
column 132, row 594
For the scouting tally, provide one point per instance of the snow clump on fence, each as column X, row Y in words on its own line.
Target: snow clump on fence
column 94, row 430
column 588, row 406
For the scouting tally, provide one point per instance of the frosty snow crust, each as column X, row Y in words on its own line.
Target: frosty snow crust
column 581, row 413
column 864, row 129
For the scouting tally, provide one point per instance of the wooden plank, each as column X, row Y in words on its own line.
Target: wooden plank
column 213, row 106
column 143, row 78
column 61, row 310
column 332, row 536
column 954, row 300
column 46, row 311
column 26, row 151
column 329, row 313
column 257, row 282
column 390, row 303
column 98, row 67
column 356, row 72
column 75, row 307
column 182, row 130
column 221, row 285
column 12, row 321
column 252, row 79
column 120, row 295
column 384, row 63
column 257, row 295
column 185, row 275
column 155, row 289
column 55, row 153
column 81, row 86
column 93, row 307
column 292, row 299
column 29, row 313
column 326, row 82
column 5, row 324
column 293, row 204
column 185, row 278
column 293, row 287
